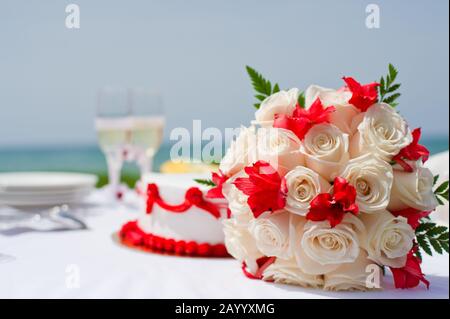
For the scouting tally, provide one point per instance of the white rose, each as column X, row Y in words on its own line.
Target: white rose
column 372, row 178
column 326, row 150
column 303, row 185
column 280, row 148
column 388, row 238
column 345, row 112
column 287, row 272
column 282, row 102
column 319, row 249
column 354, row 276
column 271, row 232
column 413, row 190
column 237, row 200
column 382, row 132
column 241, row 152
column 241, row 244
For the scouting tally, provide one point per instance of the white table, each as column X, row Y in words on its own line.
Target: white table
column 89, row 264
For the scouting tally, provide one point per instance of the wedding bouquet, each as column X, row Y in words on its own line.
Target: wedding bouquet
column 327, row 188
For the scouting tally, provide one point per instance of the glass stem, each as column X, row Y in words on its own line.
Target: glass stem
column 145, row 164
column 114, row 162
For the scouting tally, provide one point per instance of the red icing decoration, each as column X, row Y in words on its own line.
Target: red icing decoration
column 193, row 197
column 132, row 235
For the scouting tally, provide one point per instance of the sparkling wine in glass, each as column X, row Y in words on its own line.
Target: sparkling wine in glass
column 147, row 126
column 113, row 126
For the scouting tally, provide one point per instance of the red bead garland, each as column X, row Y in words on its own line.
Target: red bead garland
column 133, row 236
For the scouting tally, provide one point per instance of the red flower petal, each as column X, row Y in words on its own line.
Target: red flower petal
column 363, row 96
column 413, row 215
column 219, row 179
column 412, row 152
column 333, row 207
column 302, row 120
column 264, row 188
column 410, row 275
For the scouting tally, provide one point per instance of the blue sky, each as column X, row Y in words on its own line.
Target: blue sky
column 194, row 52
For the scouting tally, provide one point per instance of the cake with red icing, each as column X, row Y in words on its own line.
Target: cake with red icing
column 178, row 218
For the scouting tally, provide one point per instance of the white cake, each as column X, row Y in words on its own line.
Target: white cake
column 178, row 218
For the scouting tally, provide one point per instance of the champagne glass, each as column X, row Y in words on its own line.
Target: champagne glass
column 147, row 126
column 113, row 130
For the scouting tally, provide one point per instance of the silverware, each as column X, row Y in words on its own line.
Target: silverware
column 58, row 218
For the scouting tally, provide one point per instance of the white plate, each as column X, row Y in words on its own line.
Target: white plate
column 44, row 189
column 27, row 182
column 45, row 200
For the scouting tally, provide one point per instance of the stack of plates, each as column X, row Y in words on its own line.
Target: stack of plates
column 42, row 188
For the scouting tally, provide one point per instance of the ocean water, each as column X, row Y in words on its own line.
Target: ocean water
column 89, row 159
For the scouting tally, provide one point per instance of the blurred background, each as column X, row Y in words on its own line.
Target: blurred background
column 194, row 53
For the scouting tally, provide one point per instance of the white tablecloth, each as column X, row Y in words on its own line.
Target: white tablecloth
column 90, row 264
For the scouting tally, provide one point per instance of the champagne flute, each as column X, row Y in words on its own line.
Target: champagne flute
column 113, row 130
column 147, row 126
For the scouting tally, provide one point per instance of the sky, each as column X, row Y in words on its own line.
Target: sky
column 195, row 52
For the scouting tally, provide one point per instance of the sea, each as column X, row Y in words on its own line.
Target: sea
column 89, row 158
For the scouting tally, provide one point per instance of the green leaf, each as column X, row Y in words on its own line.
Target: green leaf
column 260, row 97
column 259, row 83
column 392, row 98
column 393, row 88
column 301, row 100
column 440, row 202
column 436, row 231
column 387, row 86
column 435, row 179
column 423, row 227
column 276, row 88
column 442, row 188
column 424, row 245
column 206, row 182
column 418, row 254
column 445, row 246
column 429, row 235
column 382, row 87
column 262, row 86
column 444, row 196
column 436, row 246
column 392, row 72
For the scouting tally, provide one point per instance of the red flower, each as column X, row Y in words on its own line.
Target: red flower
column 219, row 179
column 412, row 152
column 330, row 207
column 411, row 274
column 413, row 215
column 363, row 95
column 302, row 120
column 264, row 188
